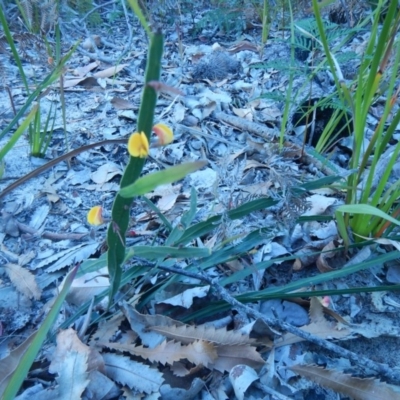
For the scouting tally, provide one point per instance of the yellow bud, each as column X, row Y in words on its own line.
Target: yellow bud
column 164, row 133
column 95, row 216
column 138, row 145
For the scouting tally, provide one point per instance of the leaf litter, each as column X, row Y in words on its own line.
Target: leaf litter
column 245, row 165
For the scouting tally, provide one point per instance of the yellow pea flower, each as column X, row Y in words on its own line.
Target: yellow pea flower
column 138, row 145
column 95, row 216
column 164, row 133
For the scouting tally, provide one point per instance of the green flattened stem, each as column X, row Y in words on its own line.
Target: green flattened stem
column 120, row 211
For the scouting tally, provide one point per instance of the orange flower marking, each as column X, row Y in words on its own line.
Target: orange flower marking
column 95, row 216
column 164, row 133
column 138, row 145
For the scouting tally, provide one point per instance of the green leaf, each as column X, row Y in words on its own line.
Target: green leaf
column 17, row 134
column 366, row 209
column 188, row 216
column 157, row 252
column 154, row 208
column 138, row 11
column 149, row 182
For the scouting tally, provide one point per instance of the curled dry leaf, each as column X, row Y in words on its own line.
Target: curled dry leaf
column 328, row 253
column 241, row 377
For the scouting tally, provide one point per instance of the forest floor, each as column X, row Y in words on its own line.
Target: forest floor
column 231, row 115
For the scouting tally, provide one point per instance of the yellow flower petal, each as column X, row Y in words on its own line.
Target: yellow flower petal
column 95, row 215
column 164, row 133
column 138, row 145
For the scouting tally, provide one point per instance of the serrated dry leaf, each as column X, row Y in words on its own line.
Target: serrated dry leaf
column 23, row 280
column 67, row 342
column 189, row 333
column 73, row 378
column 26, row 258
column 198, row 352
column 133, row 374
column 101, row 387
column 70, row 256
column 180, row 369
column 107, row 328
column 356, row 388
column 230, row 356
column 141, row 324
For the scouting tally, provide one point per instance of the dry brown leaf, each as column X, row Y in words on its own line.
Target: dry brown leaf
column 185, row 299
column 198, row 352
column 180, row 369
column 243, row 45
column 23, row 280
column 319, row 327
column 241, row 377
column 73, row 378
column 69, row 83
column 67, row 342
column 229, row 356
column 261, row 188
column 246, row 113
column 82, row 71
column 189, row 333
column 87, row 286
column 328, row 253
column 105, row 173
column 168, row 195
column 106, row 73
column 253, row 164
column 107, row 328
column 141, row 324
column 319, row 204
column 163, row 88
column 356, row 388
column 122, row 104
column 133, row 374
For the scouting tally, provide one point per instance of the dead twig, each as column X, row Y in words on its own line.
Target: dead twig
column 57, row 160
column 50, row 235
